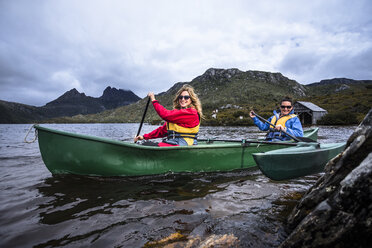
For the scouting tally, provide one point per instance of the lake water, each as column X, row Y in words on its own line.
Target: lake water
column 41, row 210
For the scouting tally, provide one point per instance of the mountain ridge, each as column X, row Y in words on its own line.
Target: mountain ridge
column 70, row 103
column 338, row 81
column 233, row 92
column 219, row 88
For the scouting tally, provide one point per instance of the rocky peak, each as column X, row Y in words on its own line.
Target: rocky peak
column 278, row 79
column 222, row 72
column 213, row 73
column 216, row 78
column 258, row 75
column 74, row 93
column 73, row 102
column 268, row 76
column 110, row 94
column 69, row 96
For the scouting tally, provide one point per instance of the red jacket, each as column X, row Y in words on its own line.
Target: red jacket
column 184, row 117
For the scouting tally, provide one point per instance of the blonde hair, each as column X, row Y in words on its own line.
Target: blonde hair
column 195, row 102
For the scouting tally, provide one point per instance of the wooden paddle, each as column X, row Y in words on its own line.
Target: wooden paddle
column 297, row 139
column 143, row 117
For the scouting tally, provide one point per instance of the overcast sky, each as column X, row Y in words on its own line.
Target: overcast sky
column 48, row 47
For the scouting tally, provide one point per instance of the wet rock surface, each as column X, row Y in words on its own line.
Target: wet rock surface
column 337, row 210
column 213, row 241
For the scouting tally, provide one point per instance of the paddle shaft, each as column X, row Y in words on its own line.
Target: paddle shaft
column 143, row 117
column 263, row 119
column 250, row 142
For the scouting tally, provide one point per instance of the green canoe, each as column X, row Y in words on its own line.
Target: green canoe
column 69, row 153
column 293, row 162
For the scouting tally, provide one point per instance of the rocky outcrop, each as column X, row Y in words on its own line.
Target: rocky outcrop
column 218, row 75
column 113, row 98
column 225, row 76
column 337, row 210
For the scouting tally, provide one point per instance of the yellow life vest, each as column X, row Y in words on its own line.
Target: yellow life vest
column 282, row 120
column 188, row 134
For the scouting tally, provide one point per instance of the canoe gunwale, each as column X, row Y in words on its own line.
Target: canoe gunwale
column 136, row 146
column 296, row 150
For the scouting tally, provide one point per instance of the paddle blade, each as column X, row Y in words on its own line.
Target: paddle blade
column 305, row 139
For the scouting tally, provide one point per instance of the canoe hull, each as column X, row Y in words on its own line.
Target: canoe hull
column 68, row 153
column 289, row 163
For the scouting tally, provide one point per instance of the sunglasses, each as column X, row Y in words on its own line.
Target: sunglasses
column 184, row 97
column 283, row 107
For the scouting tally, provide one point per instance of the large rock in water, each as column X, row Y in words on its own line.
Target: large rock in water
column 337, row 210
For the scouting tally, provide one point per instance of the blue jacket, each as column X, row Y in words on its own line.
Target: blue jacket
column 293, row 126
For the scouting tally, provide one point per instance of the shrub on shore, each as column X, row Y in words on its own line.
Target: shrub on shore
column 339, row 118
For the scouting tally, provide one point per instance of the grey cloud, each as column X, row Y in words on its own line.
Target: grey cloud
column 357, row 66
column 49, row 47
column 309, row 67
column 299, row 62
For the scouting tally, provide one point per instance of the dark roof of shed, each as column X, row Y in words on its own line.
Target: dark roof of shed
column 312, row 106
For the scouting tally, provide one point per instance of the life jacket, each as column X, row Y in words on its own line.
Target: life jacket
column 176, row 132
column 281, row 121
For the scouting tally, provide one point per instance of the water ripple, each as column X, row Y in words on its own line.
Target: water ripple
column 41, row 210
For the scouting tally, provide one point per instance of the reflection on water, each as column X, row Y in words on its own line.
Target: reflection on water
column 41, row 210
column 80, row 192
column 145, row 208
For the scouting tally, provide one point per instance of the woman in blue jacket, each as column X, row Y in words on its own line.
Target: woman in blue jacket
column 286, row 121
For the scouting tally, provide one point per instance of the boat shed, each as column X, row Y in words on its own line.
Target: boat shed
column 308, row 112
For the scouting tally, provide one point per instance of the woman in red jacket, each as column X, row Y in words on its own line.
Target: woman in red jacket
column 182, row 123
